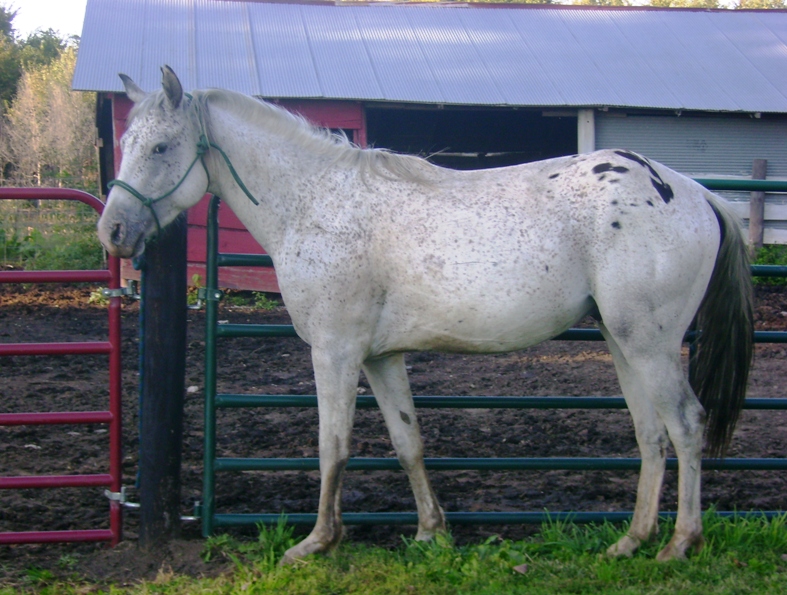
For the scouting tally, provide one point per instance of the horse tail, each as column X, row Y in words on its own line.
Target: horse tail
column 725, row 321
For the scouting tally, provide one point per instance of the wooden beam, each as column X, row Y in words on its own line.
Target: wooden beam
column 759, row 170
column 163, row 362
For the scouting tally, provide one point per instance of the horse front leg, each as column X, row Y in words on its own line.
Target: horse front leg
column 388, row 379
column 336, row 375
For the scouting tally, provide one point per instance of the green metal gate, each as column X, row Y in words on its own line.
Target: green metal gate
column 213, row 402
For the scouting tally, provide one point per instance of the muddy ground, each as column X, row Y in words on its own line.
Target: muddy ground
column 282, row 366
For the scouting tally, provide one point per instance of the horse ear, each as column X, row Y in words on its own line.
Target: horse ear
column 134, row 93
column 172, row 87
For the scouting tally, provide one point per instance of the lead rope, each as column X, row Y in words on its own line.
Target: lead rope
column 203, row 146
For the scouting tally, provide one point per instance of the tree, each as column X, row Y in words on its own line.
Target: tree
column 761, row 4
column 603, row 2
column 41, row 48
column 10, row 68
column 48, row 133
column 7, row 16
column 686, row 3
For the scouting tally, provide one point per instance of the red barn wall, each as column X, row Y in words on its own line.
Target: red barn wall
column 233, row 236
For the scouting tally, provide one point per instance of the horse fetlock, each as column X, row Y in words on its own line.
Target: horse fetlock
column 428, row 528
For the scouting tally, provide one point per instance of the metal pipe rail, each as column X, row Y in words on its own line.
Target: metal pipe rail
column 215, row 401
column 112, row 416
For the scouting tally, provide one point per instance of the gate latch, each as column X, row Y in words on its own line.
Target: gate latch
column 214, row 295
column 130, row 291
column 116, row 496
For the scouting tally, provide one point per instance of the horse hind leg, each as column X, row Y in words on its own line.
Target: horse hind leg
column 652, row 439
column 388, row 379
column 663, row 406
column 686, row 425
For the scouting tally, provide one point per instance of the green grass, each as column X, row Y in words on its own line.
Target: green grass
column 743, row 555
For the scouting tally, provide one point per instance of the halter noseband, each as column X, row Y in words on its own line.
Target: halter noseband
column 203, row 146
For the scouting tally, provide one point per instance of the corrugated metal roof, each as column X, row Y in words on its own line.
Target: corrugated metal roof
column 447, row 53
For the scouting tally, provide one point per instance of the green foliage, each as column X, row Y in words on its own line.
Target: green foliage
column 10, row 245
column 192, row 293
column 7, row 16
column 686, row 3
column 263, row 302
column 37, row 576
column 51, row 236
column 774, row 254
column 603, row 2
column 761, row 4
column 250, row 299
column 41, row 48
column 97, row 297
column 64, row 248
column 263, row 555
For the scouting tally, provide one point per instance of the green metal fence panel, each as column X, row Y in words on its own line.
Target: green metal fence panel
column 461, row 518
column 214, row 401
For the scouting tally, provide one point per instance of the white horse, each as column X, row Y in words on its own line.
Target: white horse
column 378, row 254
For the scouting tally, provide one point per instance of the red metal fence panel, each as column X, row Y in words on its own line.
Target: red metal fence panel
column 113, row 479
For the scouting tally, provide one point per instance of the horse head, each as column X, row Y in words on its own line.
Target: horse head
column 158, row 178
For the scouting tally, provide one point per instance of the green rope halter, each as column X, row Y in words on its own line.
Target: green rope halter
column 203, row 146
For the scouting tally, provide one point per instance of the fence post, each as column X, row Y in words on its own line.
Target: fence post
column 162, row 367
column 759, row 171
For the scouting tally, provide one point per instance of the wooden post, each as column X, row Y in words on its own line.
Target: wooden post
column 586, row 131
column 163, row 362
column 759, row 170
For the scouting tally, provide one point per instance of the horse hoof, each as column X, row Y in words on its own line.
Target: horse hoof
column 624, row 548
column 676, row 549
column 431, row 533
column 670, row 553
column 300, row 551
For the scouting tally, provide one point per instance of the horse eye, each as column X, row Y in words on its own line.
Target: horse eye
column 160, row 148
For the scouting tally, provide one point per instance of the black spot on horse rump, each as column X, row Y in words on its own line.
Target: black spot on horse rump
column 639, row 159
column 633, row 157
column 553, row 176
column 604, row 167
column 616, row 224
column 664, row 189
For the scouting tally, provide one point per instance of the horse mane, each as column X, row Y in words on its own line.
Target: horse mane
column 327, row 146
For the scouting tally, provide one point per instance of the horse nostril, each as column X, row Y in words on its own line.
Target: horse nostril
column 117, row 234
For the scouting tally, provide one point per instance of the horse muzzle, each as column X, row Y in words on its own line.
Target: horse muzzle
column 121, row 238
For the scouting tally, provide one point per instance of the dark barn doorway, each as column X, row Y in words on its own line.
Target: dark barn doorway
column 473, row 138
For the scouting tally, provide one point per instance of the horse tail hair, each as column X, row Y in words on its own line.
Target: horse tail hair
column 725, row 321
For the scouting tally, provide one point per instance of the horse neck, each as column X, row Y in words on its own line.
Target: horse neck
column 280, row 178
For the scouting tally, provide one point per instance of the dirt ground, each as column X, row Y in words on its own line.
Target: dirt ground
column 282, row 366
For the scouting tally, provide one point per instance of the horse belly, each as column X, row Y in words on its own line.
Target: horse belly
column 483, row 313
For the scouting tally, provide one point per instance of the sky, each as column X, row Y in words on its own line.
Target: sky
column 64, row 16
